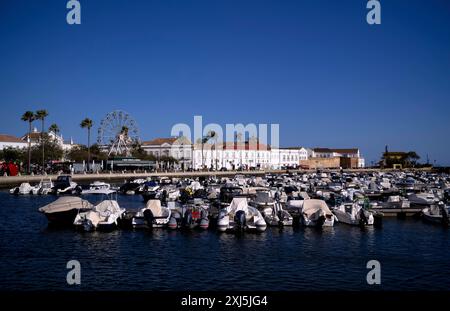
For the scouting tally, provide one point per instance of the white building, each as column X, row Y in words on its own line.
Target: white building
column 178, row 148
column 10, row 141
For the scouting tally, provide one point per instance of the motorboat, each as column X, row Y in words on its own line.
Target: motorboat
column 65, row 185
column 263, row 199
column 103, row 217
column 132, row 187
column 239, row 216
column 276, row 216
column 150, row 190
column 423, row 198
column 315, row 213
column 64, row 210
column 437, row 213
column 24, row 188
column 190, row 216
column 98, row 187
column 353, row 214
column 45, row 187
column 154, row 215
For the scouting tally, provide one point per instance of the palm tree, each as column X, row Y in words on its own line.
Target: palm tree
column 54, row 128
column 88, row 123
column 205, row 139
column 29, row 117
column 41, row 115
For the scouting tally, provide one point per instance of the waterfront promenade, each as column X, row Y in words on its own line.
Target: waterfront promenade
column 12, row 181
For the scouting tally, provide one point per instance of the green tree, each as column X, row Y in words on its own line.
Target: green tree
column 412, row 157
column 29, row 117
column 10, row 154
column 54, row 128
column 41, row 115
column 54, row 151
column 88, row 123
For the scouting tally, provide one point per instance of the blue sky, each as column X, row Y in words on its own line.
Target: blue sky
column 315, row 67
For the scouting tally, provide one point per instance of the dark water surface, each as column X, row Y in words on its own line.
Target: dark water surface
column 413, row 255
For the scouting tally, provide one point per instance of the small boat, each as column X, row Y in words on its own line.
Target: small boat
column 132, row 187
column 262, row 200
column 45, row 187
column 150, row 190
column 239, row 216
column 438, row 214
column 276, row 216
column 353, row 214
column 98, row 187
column 152, row 216
column 315, row 213
column 423, row 198
column 190, row 216
column 64, row 210
column 65, row 185
column 103, row 217
column 24, row 188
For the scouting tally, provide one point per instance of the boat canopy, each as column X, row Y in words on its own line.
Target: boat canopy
column 64, row 204
column 155, row 207
column 238, row 204
column 107, row 207
column 311, row 206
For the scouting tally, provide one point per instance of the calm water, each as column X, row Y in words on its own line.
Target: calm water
column 413, row 255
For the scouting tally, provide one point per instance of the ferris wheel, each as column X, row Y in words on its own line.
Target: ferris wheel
column 118, row 131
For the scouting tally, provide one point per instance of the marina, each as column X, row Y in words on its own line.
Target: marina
column 172, row 250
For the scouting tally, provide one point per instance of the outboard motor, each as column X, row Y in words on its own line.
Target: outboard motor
column 164, row 197
column 148, row 216
column 280, row 215
column 363, row 218
column 87, row 225
column 445, row 216
column 187, row 219
column 240, row 220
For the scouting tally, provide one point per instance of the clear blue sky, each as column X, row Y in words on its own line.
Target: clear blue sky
column 315, row 67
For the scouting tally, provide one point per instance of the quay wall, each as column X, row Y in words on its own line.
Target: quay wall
column 12, row 181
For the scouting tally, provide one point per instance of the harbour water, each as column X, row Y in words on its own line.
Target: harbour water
column 413, row 255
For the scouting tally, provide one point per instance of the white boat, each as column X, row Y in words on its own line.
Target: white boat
column 276, row 216
column 98, row 187
column 423, row 198
column 64, row 210
column 438, row 214
column 190, row 216
column 44, row 187
column 353, row 214
column 239, row 216
column 263, row 199
column 65, row 185
column 24, row 188
column 152, row 216
column 315, row 213
column 103, row 216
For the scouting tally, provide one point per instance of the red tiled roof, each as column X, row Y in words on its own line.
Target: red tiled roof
column 245, row 146
column 10, row 139
column 330, row 150
column 159, row 141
